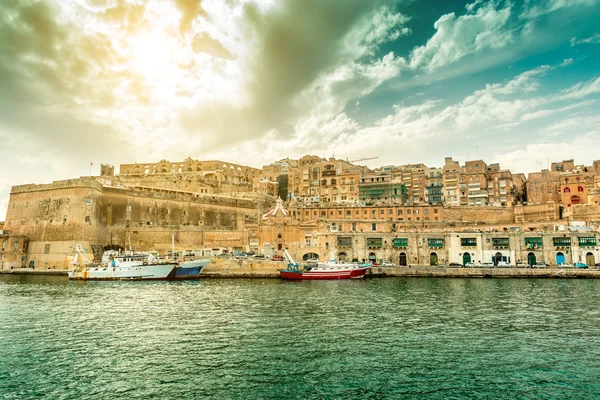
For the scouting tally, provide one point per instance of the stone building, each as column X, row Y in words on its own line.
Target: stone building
column 376, row 241
column 55, row 216
column 215, row 169
column 317, row 180
column 13, row 250
column 380, row 187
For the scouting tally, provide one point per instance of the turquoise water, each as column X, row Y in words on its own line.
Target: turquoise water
column 243, row 339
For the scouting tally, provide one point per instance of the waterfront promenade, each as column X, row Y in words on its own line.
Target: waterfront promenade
column 245, row 268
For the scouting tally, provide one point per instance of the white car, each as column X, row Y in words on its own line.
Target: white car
column 388, row 264
column 471, row 265
column 504, row 264
column 487, row 265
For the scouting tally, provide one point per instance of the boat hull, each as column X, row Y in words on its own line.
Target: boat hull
column 129, row 273
column 189, row 269
column 322, row 275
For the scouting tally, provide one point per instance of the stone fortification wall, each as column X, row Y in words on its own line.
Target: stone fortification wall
column 82, row 210
column 437, row 272
column 249, row 268
column 197, row 182
column 479, row 215
column 586, row 212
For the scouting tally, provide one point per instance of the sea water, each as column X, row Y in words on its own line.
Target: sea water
column 416, row 338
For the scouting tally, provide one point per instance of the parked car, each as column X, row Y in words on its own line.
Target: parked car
column 455, row 265
column 312, row 260
column 486, row 265
column 388, row 264
column 522, row 264
column 540, row 265
column 277, row 257
column 597, row 265
column 564, row 265
column 504, row 264
column 260, row 256
column 581, row 265
column 471, row 265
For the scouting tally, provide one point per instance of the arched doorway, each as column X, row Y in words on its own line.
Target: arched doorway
column 433, row 259
column 531, row 259
column 402, row 260
column 342, row 256
column 466, row 258
column 590, row 260
column 372, row 258
column 309, row 256
column 560, row 258
column 497, row 258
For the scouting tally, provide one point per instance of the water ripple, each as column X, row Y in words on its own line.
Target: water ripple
column 240, row 339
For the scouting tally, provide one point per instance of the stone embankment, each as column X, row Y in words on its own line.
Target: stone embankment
column 251, row 268
column 443, row 272
column 29, row 271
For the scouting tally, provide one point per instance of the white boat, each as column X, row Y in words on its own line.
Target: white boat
column 117, row 266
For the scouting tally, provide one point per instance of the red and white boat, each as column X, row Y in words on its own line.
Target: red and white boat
column 324, row 270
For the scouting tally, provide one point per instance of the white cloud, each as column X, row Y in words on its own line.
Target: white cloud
column 457, row 37
column 534, row 9
column 594, row 39
column 566, row 62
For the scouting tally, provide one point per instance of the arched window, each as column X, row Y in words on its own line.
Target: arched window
column 567, row 190
column 580, row 188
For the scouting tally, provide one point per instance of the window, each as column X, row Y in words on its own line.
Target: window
column 88, row 219
column 579, row 189
column 47, row 248
column 567, row 190
column 373, row 226
column 399, row 212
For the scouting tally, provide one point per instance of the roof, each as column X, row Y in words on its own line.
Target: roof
column 279, row 208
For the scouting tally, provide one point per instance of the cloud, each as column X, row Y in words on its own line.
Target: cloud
column 456, row 37
column 594, row 39
column 427, row 131
column 535, row 9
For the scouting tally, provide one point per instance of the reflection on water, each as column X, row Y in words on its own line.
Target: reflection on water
column 373, row 338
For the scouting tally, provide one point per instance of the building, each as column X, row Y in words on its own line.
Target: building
column 451, row 179
column 215, row 169
column 13, row 250
column 380, row 188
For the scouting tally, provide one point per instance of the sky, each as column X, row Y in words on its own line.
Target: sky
column 252, row 81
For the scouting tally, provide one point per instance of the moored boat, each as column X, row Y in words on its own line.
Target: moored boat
column 324, row 270
column 119, row 267
column 189, row 269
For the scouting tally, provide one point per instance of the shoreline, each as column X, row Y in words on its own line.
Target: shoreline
column 238, row 270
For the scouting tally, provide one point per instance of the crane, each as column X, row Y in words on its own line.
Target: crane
column 362, row 159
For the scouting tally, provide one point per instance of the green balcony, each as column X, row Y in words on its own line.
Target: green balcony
column 400, row 242
column 561, row 241
column 344, row 241
column 534, row 243
column 587, row 241
column 468, row 242
column 374, row 242
column 438, row 243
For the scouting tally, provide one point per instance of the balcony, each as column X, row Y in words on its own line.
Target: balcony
column 400, row 242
